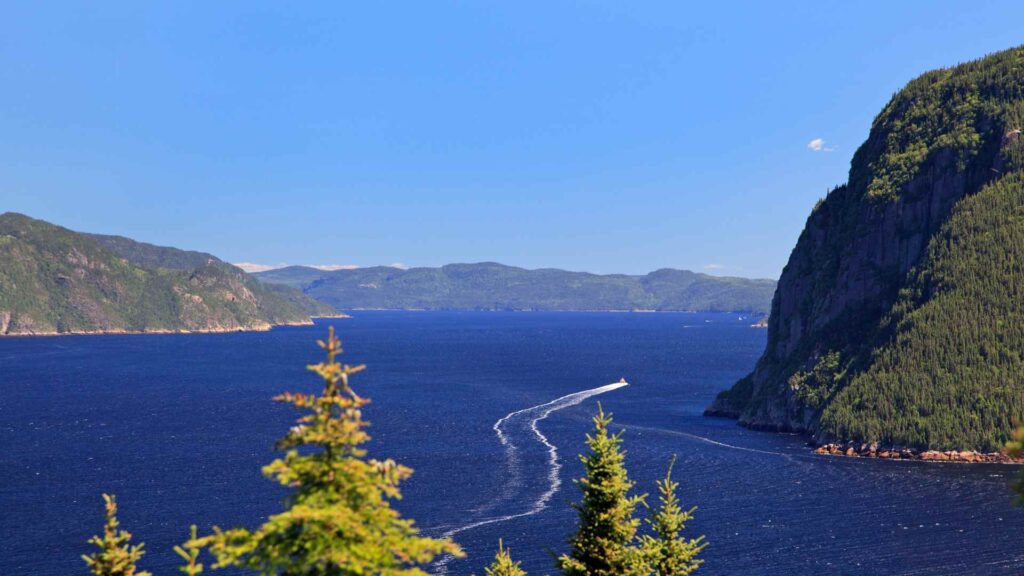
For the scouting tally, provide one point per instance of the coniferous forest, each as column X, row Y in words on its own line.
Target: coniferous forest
column 899, row 320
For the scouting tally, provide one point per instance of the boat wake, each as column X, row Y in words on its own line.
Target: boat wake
column 704, row 439
column 512, row 431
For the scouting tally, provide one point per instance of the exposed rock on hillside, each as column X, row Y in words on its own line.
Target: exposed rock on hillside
column 898, row 317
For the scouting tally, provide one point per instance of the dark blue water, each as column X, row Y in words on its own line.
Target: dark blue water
column 178, row 427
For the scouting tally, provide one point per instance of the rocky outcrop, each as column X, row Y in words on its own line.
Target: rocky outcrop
column 865, row 450
column 858, row 261
column 847, row 262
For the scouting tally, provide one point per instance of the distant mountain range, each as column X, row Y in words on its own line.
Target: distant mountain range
column 492, row 286
column 56, row 281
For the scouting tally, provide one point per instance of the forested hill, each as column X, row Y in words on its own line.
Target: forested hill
column 899, row 319
column 150, row 256
column 54, row 280
column 491, row 286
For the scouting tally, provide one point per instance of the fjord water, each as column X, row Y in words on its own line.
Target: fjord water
column 178, row 426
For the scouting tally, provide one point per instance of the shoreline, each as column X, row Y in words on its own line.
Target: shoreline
column 123, row 332
column 851, row 449
column 865, row 450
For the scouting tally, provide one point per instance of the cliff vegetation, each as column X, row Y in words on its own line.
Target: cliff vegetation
column 898, row 320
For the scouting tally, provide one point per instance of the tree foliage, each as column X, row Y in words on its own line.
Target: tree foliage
column 667, row 552
column 338, row 519
column 116, row 555
column 503, row 564
column 817, row 385
column 951, row 375
column 189, row 552
column 912, row 274
column 56, row 280
column 605, row 541
column 1015, row 448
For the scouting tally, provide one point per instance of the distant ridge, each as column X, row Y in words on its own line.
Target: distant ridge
column 493, row 286
column 57, row 281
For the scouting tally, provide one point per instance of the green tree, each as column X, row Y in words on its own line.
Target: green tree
column 189, row 552
column 604, row 544
column 503, row 564
column 338, row 520
column 813, row 388
column 668, row 553
column 116, row 557
column 1015, row 449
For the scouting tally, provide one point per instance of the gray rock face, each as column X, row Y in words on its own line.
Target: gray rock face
column 846, row 271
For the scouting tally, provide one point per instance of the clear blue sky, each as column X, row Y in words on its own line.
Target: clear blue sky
column 610, row 137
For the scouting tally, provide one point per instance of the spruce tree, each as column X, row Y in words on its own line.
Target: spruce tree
column 604, row 544
column 668, row 553
column 338, row 519
column 503, row 564
column 116, row 556
column 189, row 552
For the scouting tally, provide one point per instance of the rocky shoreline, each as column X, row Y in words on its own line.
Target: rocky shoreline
column 865, row 450
column 873, row 450
column 262, row 327
column 121, row 331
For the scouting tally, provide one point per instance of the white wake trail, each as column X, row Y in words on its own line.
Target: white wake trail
column 532, row 416
column 702, row 439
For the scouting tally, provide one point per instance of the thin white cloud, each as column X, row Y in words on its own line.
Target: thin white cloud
column 333, row 267
column 398, row 265
column 714, row 266
column 818, row 145
column 253, row 267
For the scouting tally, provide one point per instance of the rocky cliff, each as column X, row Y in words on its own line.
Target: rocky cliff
column 892, row 265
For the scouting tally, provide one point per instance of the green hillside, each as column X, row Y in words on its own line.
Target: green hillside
column 491, row 286
column 150, row 256
column 899, row 319
column 294, row 276
column 54, row 280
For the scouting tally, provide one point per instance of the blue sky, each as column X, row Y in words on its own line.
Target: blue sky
column 600, row 136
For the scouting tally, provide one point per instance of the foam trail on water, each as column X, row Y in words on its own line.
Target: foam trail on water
column 702, row 439
column 533, row 415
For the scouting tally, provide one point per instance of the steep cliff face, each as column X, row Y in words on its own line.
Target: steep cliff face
column 859, row 271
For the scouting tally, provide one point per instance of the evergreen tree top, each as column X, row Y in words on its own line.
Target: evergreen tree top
column 604, row 542
column 339, row 520
column 116, row 556
column 503, row 564
column 667, row 551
